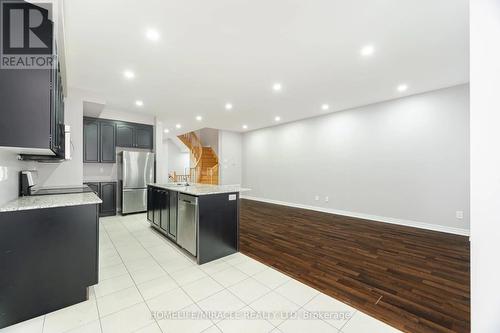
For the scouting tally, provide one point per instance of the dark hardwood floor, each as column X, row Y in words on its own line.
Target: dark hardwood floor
column 420, row 278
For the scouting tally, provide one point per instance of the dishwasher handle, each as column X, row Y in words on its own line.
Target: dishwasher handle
column 189, row 199
column 190, row 203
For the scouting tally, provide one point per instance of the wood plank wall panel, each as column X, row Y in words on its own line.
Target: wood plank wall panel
column 422, row 276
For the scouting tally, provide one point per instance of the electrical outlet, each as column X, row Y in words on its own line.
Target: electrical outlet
column 326, row 199
column 459, row 214
column 316, row 198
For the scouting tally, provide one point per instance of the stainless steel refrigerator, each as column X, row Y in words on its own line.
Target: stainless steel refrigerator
column 137, row 172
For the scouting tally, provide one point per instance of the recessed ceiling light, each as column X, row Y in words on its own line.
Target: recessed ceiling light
column 228, row 106
column 139, row 103
column 199, row 118
column 178, row 126
column 402, row 87
column 244, row 126
column 166, row 130
column 277, row 118
column 152, row 35
column 277, row 87
column 325, row 107
column 128, row 74
column 367, row 50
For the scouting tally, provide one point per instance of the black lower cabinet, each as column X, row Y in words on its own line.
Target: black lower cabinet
column 156, row 208
column 162, row 210
column 107, row 192
column 150, row 206
column 172, row 220
column 49, row 257
column 164, row 203
column 108, row 197
column 94, row 187
column 218, row 226
column 217, row 221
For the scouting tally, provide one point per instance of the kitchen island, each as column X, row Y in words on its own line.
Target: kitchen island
column 48, row 253
column 201, row 219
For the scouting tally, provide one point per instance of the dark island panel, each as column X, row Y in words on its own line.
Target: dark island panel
column 218, row 226
column 49, row 257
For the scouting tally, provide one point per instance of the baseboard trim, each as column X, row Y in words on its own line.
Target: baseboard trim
column 391, row 220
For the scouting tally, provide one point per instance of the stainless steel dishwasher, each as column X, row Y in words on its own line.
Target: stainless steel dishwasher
column 187, row 222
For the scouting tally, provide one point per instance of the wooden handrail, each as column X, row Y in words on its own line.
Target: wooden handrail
column 192, row 141
column 213, row 171
column 174, row 177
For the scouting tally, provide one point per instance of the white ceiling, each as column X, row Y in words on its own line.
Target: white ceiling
column 218, row 51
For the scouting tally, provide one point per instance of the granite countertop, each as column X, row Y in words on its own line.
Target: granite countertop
column 201, row 189
column 51, row 201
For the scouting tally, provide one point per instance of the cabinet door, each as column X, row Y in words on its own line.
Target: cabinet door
column 144, row 137
column 125, row 135
column 107, row 142
column 156, row 207
column 54, row 112
column 90, row 141
column 150, row 204
column 94, row 187
column 25, row 102
column 57, row 131
column 164, row 207
column 172, row 222
column 108, row 197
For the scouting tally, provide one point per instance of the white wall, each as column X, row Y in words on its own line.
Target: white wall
column 404, row 160
column 68, row 172
column 9, row 175
column 133, row 117
column 230, row 158
column 161, row 150
column 485, row 165
column 209, row 137
column 178, row 160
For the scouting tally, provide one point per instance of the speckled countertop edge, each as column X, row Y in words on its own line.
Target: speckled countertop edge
column 202, row 189
column 51, row 201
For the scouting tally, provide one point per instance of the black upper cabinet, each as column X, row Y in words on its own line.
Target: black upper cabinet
column 99, row 141
column 131, row 135
column 144, row 137
column 102, row 136
column 32, row 110
column 125, row 135
column 57, row 112
column 25, row 104
column 91, row 141
column 107, row 142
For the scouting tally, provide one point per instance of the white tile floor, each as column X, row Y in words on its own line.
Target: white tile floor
column 141, row 273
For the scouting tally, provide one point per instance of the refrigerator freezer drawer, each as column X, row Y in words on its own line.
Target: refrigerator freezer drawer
column 134, row 200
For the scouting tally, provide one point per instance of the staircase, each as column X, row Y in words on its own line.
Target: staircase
column 209, row 166
column 206, row 162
